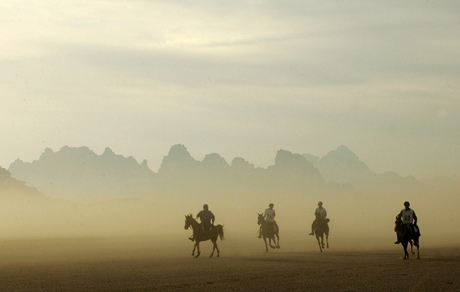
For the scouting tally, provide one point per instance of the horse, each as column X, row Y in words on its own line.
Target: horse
column 407, row 236
column 268, row 231
column 199, row 235
column 321, row 229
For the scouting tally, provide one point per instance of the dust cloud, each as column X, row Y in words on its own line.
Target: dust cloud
column 150, row 217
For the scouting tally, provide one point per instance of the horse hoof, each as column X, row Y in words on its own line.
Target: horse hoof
column 278, row 247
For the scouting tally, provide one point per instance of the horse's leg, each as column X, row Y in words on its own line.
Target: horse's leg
column 270, row 239
column 198, row 249
column 194, row 247
column 319, row 243
column 327, row 240
column 266, row 246
column 322, row 240
column 217, row 248
column 411, row 247
column 278, row 243
column 213, row 248
column 406, row 254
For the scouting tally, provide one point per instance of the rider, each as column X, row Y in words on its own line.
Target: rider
column 207, row 219
column 269, row 216
column 408, row 217
column 320, row 217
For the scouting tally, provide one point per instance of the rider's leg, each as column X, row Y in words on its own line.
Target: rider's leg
column 313, row 227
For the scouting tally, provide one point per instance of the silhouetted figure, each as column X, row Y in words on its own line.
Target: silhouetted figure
column 207, row 219
column 408, row 217
column 269, row 216
column 320, row 218
column 199, row 235
column 407, row 230
column 268, row 231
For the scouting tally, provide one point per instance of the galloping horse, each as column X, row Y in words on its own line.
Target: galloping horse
column 268, row 231
column 407, row 236
column 321, row 229
column 199, row 235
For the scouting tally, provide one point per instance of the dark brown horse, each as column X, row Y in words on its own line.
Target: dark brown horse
column 322, row 229
column 269, row 231
column 406, row 235
column 199, row 235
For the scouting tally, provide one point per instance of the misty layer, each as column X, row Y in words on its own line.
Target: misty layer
column 75, row 192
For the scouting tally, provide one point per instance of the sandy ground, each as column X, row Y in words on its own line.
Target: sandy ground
column 148, row 264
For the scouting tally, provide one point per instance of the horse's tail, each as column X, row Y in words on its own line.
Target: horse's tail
column 220, row 231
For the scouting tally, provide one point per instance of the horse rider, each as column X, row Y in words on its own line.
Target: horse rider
column 408, row 217
column 320, row 218
column 269, row 216
column 207, row 219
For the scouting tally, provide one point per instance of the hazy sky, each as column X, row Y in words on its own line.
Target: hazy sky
column 240, row 78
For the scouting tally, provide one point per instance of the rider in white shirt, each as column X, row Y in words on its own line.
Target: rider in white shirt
column 320, row 217
column 408, row 217
column 269, row 216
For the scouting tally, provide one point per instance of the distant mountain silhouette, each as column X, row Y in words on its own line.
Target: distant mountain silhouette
column 11, row 188
column 342, row 166
column 79, row 173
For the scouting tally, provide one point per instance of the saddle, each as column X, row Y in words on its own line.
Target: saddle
column 207, row 228
column 323, row 223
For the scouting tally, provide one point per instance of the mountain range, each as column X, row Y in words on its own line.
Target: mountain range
column 76, row 192
column 79, row 174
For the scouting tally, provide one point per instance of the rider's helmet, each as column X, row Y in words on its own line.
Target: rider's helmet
column 320, row 203
column 406, row 203
column 271, row 205
column 205, row 206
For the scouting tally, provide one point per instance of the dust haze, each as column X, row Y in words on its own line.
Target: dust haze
column 74, row 193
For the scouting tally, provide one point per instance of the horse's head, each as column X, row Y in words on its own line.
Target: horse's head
column 188, row 221
column 260, row 218
column 399, row 223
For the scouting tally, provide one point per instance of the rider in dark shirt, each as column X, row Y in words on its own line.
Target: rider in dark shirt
column 207, row 219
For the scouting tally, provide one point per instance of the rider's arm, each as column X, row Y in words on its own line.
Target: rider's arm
column 213, row 218
column 415, row 219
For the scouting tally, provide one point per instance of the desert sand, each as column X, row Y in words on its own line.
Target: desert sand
column 154, row 264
